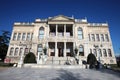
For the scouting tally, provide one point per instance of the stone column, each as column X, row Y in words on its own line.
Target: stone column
column 64, row 30
column 17, row 36
column 48, row 32
column 38, row 57
column 64, row 49
column 73, row 30
column 74, row 47
column 56, row 51
column 13, row 52
column 56, row 30
column 47, row 49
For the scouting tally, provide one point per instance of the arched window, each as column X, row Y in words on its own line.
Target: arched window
column 81, row 50
column 109, row 53
column 80, row 33
column 16, row 51
column 104, row 52
column 41, row 33
column 11, row 51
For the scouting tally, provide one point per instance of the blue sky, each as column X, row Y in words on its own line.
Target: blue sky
column 95, row 10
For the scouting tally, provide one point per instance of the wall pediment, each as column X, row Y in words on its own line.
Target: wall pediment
column 61, row 18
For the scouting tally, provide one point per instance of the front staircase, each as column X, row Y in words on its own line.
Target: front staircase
column 60, row 61
column 54, row 66
column 57, row 62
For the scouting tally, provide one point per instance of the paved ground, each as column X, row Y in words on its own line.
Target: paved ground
column 57, row 74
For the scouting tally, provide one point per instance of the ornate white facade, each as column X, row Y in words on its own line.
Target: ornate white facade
column 60, row 35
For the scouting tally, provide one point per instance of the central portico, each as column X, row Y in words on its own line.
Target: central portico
column 60, row 41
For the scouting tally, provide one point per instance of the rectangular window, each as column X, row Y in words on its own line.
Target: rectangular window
column 97, row 37
column 11, row 51
column 31, row 36
column 93, row 37
column 28, row 36
column 95, row 52
column 100, row 53
column 19, row 36
column 14, row 36
column 102, row 37
column 104, row 52
column 106, row 37
column 21, row 51
column 23, row 36
column 16, row 51
column 89, row 37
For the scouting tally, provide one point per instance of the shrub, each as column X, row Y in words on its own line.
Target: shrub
column 118, row 64
column 91, row 59
column 30, row 58
column 2, row 64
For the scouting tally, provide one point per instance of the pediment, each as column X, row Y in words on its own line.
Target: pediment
column 60, row 18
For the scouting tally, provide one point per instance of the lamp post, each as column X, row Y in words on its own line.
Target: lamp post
column 20, row 63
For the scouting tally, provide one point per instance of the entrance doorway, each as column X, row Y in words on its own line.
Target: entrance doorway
column 60, row 49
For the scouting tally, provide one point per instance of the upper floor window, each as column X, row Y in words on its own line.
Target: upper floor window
column 109, row 53
column 11, row 51
column 93, row 37
column 23, row 36
column 104, row 52
column 81, row 50
column 89, row 37
column 19, row 36
column 102, row 37
column 41, row 33
column 106, row 37
column 97, row 37
column 31, row 36
column 14, row 36
column 80, row 33
column 28, row 36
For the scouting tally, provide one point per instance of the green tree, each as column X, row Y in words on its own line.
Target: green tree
column 30, row 58
column 4, row 41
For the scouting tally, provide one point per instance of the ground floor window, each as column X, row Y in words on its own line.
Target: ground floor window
column 81, row 50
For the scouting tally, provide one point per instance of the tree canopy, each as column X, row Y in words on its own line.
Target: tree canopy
column 30, row 58
column 4, row 41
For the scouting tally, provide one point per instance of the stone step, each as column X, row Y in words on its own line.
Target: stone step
column 60, row 60
column 54, row 66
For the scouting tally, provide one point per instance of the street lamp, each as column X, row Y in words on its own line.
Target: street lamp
column 20, row 63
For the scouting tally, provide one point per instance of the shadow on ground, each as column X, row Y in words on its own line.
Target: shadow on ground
column 66, row 75
column 108, row 71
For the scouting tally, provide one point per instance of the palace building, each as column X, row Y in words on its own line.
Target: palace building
column 55, row 39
